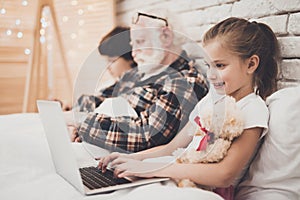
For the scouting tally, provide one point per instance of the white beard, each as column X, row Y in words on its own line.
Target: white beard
column 150, row 63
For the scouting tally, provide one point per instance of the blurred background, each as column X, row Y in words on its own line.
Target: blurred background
column 45, row 43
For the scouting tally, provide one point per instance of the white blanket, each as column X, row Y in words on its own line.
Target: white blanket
column 27, row 172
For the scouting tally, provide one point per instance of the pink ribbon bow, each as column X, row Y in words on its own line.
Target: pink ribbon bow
column 206, row 138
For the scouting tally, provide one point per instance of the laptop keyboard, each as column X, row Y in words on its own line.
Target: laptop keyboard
column 93, row 178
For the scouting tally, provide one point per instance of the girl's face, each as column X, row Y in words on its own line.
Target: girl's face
column 227, row 72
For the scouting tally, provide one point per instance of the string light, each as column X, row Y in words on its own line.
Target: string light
column 90, row 7
column 42, row 39
column 3, row 11
column 27, row 51
column 19, row 34
column 73, row 36
column 65, row 18
column 24, row 3
column 18, row 22
column 44, row 23
column 80, row 12
column 42, row 31
column 8, row 32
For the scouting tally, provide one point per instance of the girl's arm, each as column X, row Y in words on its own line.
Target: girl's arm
column 182, row 139
column 220, row 174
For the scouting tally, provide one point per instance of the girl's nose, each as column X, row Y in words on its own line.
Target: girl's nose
column 212, row 73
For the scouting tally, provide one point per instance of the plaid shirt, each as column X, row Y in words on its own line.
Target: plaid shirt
column 163, row 103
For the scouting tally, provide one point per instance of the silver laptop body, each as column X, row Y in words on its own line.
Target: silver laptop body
column 62, row 153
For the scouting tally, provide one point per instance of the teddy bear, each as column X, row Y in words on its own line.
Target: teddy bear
column 218, row 126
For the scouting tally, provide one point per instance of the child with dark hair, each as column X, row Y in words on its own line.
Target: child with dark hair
column 115, row 45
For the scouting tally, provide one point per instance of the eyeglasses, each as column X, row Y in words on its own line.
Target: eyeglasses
column 136, row 17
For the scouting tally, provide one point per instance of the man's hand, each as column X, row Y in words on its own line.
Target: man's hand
column 69, row 118
column 73, row 133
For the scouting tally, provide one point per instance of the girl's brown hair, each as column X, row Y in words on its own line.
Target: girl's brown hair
column 245, row 39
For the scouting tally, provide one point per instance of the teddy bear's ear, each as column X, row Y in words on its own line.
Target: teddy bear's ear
column 232, row 120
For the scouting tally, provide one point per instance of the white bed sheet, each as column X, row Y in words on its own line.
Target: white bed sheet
column 27, row 172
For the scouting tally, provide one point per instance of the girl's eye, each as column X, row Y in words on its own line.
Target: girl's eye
column 220, row 65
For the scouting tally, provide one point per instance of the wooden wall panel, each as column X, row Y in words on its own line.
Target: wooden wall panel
column 80, row 35
column 12, row 92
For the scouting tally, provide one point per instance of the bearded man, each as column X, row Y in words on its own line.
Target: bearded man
column 163, row 90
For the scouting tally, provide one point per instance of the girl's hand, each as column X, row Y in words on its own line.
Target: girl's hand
column 104, row 161
column 130, row 167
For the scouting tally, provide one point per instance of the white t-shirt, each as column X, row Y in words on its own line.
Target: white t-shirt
column 254, row 110
column 253, row 107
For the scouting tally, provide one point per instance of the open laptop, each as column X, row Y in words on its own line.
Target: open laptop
column 88, row 180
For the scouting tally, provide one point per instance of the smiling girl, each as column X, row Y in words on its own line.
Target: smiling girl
column 242, row 57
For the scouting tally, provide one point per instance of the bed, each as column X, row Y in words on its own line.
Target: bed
column 27, row 172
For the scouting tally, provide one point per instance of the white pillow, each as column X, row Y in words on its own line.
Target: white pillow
column 275, row 172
